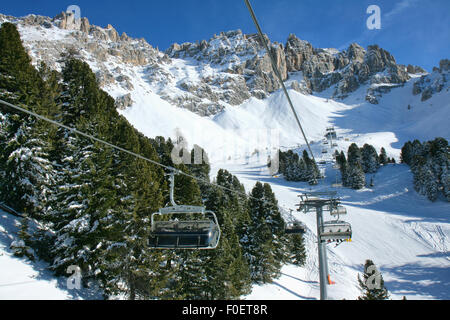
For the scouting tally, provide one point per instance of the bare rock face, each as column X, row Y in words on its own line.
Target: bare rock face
column 104, row 78
column 124, row 101
column 297, row 52
column 433, row 83
column 241, row 55
column 303, row 87
column 414, row 69
column 444, row 65
column 349, row 69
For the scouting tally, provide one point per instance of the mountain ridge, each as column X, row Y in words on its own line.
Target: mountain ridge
column 209, row 75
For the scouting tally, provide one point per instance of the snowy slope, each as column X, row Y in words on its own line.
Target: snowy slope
column 406, row 236
column 22, row 279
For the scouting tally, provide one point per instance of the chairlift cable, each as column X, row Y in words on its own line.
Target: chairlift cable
column 277, row 73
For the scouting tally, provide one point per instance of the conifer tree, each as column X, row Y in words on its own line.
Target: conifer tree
column 372, row 283
column 383, row 156
column 264, row 242
column 356, row 178
column 27, row 174
column 407, row 153
column 297, row 251
column 313, row 172
column 354, row 155
column 369, row 157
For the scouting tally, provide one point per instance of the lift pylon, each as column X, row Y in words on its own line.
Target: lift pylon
column 327, row 231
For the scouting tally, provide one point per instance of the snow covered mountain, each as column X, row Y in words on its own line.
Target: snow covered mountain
column 215, row 93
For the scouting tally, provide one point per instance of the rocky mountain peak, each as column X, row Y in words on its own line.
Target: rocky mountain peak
column 227, row 69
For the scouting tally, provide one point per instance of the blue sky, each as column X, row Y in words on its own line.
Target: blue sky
column 414, row 31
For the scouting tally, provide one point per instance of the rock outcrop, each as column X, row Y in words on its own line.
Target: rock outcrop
column 435, row 82
column 124, row 101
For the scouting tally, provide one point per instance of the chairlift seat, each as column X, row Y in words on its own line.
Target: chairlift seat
column 335, row 230
column 295, row 228
column 196, row 234
column 339, row 210
column 184, row 234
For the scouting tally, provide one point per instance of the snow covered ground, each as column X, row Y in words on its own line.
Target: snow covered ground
column 406, row 236
column 22, row 279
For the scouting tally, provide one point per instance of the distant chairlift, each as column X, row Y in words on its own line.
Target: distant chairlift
column 335, row 231
column 184, row 234
column 295, row 227
column 338, row 211
column 331, row 133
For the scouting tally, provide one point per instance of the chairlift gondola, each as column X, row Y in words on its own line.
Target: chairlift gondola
column 184, row 234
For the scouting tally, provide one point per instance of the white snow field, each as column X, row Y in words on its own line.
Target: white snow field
column 22, row 279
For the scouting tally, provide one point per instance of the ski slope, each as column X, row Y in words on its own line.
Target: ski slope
column 405, row 235
column 22, row 279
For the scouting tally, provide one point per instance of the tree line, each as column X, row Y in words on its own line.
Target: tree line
column 429, row 163
column 296, row 168
column 358, row 162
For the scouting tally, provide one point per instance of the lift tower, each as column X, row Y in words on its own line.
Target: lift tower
column 329, row 231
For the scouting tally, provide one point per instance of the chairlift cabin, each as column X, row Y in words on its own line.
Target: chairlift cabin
column 295, row 227
column 203, row 233
column 331, row 231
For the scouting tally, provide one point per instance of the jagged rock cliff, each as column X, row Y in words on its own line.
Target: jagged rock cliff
column 427, row 85
column 206, row 76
